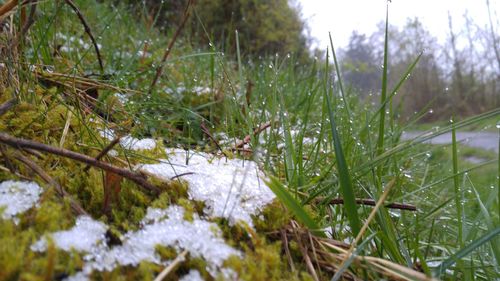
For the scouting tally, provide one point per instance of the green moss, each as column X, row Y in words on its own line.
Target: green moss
column 275, row 216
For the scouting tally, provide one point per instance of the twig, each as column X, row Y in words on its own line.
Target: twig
column 28, row 23
column 136, row 177
column 87, row 30
column 7, row 7
column 365, row 226
column 7, row 105
column 180, row 258
column 371, row 202
column 247, row 138
column 77, row 208
column 104, row 151
column 207, row 132
column 181, row 175
column 159, row 70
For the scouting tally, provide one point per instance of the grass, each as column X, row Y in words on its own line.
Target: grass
column 323, row 142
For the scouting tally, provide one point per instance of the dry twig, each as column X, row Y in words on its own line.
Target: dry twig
column 77, row 208
column 136, row 177
column 7, row 105
column 87, row 30
column 104, row 151
column 159, row 70
column 247, row 138
column 371, row 202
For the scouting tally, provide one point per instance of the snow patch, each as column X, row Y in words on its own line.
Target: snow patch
column 129, row 142
column 193, row 275
column 17, row 197
column 85, row 235
column 166, row 227
column 230, row 188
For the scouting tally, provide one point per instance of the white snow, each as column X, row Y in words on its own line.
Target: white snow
column 85, row 235
column 193, row 275
column 230, row 188
column 159, row 227
column 129, row 142
column 17, row 197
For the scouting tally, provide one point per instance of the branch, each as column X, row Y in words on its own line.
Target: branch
column 136, row 177
column 159, row 70
column 77, row 208
column 87, row 30
column 371, row 202
column 104, row 151
column 7, row 105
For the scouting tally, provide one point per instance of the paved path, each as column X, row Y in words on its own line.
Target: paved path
column 484, row 140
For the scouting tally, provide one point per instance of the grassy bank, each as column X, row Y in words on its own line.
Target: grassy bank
column 353, row 200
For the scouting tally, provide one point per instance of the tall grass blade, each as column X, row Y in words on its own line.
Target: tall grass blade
column 344, row 177
column 456, row 184
column 293, row 205
column 466, row 250
column 337, row 70
column 349, row 261
column 383, row 96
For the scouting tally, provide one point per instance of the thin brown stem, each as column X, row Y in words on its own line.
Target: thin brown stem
column 104, row 151
column 159, row 70
column 77, row 208
column 247, row 138
column 7, row 105
column 87, row 30
column 7, row 7
column 371, row 202
column 207, row 132
column 136, row 177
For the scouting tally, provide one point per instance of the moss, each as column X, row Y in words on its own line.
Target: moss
column 274, row 216
column 263, row 263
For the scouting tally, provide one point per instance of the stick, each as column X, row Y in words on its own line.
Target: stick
column 7, row 7
column 104, row 151
column 247, row 138
column 7, row 105
column 207, row 132
column 77, row 208
column 159, row 70
column 180, row 258
column 136, row 177
column 87, row 30
column 371, row 202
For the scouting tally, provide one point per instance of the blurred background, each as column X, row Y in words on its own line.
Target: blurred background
column 458, row 73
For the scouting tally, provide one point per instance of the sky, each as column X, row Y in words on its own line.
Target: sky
column 341, row 17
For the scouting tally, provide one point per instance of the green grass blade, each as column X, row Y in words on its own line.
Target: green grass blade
column 348, row 262
column 344, row 177
column 293, row 205
column 466, row 250
column 383, row 96
column 456, row 184
column 337, row 70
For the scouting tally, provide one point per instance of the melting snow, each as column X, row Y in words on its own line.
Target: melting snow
column 85, row 235
column 160, row 227
column 130, row 142
column 193, row 275
column 17, row 197
column 230, row 188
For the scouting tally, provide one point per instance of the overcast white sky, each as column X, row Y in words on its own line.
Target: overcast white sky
column 341, row 17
